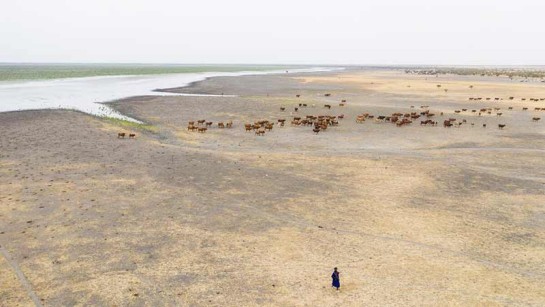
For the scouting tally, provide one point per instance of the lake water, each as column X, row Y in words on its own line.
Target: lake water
column 85, row 94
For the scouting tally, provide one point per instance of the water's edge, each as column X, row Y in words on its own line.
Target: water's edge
column 92, row 95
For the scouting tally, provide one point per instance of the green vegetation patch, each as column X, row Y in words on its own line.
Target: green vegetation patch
column 10, row 72
column 131, row 125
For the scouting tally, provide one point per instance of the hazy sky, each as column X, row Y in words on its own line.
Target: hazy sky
column 239, row 31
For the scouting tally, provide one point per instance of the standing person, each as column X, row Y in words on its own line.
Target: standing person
column 336, row 280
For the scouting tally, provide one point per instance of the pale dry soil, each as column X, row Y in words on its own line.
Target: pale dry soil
column 411, row 216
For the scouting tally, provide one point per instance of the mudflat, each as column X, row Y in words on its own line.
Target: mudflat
column 411, row 215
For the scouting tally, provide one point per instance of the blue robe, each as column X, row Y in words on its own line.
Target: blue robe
column 336, row 281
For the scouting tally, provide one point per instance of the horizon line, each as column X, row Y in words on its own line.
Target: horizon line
column 276, row 64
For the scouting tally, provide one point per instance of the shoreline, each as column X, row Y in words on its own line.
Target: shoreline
column 192, row 85
column 68, row 92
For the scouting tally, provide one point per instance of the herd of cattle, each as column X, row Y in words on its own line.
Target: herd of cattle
column 510, row 98
column 320, row 123
column 202, row 125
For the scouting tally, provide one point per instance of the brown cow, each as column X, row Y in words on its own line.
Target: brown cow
column 404, row 121
column 501, row 126
column 202, row 130
column 221, row 125
column 121, row 135
column 535, row 119
column 132, row 135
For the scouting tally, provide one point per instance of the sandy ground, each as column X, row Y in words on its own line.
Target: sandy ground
column 411, row 216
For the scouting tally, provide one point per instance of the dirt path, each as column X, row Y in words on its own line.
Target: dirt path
column 20, row 276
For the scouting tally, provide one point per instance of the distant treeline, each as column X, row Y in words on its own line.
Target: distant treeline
column 511, row 73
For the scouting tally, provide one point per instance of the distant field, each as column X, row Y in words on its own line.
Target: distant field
column 536, row 72
column 9, row 72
